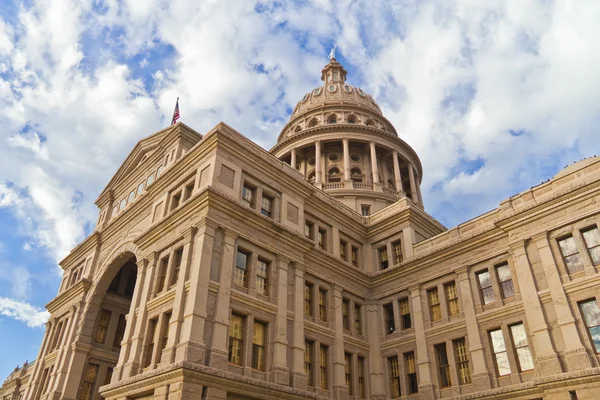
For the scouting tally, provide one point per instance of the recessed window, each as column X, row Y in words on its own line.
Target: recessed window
column 159, row 171
column 591, row 316
column 150, row 179
column 120, row 332
column 187, row 191
column 591, row 236
column 365, row 210
column 351, row 119
column 355, row 157
column 506, row 283
column 370, row 122
column 322, row 242
column 500, row 353
column 322, row 305
column 443, row 365
column 308, row 363
column 122, row 204
column 357, row 319
column 521, row 343
column 308, row 229
column 308, row 299
column 343, row 245
column 332, row 119
column 311, row 161
column 394, row 376
column 348, row 373
column 346, row 314
column 354, row 255
column 383, row 257
column 131, row 196
column 570, row 254
column 332, row 88
column 258, row 346
column 313, row 122
column 434, row 304
column 102, row 327
column 266, row 207
column 397, row 247
column 405, row 321
column 248, row 196
column 347, row 88
column 175, row 200
column 334, row 175
column 452, row 299
column 388, row 314
column 485, row 285
column 334, row 157
column 140, row 188
column 411, row 372
column 361, row 377
column 262, row 278
column 236, row 339
column 240, row 276
column 323, row 366
column 462, row 360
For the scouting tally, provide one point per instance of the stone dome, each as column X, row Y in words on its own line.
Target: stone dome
column 576, row 166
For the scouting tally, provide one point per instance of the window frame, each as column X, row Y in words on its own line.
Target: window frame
column 236, row 339
column 587, row 324
column 576, row 254
column 483, row 290
column 435, row 304
column 403, row 314
column 506, row 282
column 240, row 274
column 461, row 355
column 452, row 298
column 259, row 354
column 443, row 364
column 587, row 245
column 394, row 373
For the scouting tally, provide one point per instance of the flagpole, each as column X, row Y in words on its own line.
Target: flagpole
column 174, row 110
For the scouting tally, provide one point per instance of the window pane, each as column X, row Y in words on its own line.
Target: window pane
column 519, row 335
column 484, row 279
column 595, row 334
column 574, row 263
column 488, row 295
column 591, row 313
column 568, row 246
column 525, row 358
column 497, row 341
column 241, row 260
column 504, row 273
column 503, row 365
column 595, row 255
column 592, row 237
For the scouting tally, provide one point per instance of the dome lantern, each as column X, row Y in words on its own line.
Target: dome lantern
column 333, row 72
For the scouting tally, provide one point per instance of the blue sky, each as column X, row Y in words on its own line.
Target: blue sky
column 495, row 97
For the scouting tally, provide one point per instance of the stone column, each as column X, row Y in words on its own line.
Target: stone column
column 339, row 360
column 414, row 195
column 373, row 322
column 177, row 314
column 62, row 360
column 397, row 175
column 480, row 375
column 191, row 347
column 347, row 178
column 293, row 156
column 374, row 168
column 546, row 357
column 408, row 239
column 280, row 372
column 576, row 356
column 39, row 365
column 218, row 353
column 298, row 376
column 426, row 388
column 318, row 169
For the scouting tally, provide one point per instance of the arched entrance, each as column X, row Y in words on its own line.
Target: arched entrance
column 109, row 327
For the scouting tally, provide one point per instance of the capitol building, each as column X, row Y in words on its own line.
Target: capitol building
column 221, row 271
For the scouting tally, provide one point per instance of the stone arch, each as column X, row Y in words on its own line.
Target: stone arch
column 313, row 122
column 298, row 129
column 334, row 175
column 332, row 118
column 351, row 119
column 370, row 122
column 356, row 175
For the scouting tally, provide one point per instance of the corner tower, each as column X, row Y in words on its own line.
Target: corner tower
column 339, row 140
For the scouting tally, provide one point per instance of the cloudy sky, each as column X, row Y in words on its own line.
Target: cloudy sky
column 495, row 96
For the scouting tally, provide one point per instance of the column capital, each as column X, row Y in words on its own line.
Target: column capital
column 540, row 238
column 345, row 139
column 299, row 269
column 462, row 272
column 188, row 234
column 318, row 141
column 415, row 290
column 337, row 288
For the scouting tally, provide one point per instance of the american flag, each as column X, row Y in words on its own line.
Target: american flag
column 175, row 113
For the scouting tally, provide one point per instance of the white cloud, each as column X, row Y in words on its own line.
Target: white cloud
column 33, row 316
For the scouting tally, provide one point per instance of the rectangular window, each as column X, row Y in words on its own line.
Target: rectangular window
column 57, row 334
column 361, row 377
column 323, row 367
column 248, row 196
column 388, row 314
column 405, row 314
column 236, row 339
column 120, row 331
column 131, row 197
column 452, row 299
column 89, row 382
column 258, row 346
column 44, row 381
column 308, row 229
column 262, row 278
column 151, row 338
column 240, row 277
column 322, row 239
column 519, row 337
column 108, row 376
column 150, row 179
column 164, row 337
column 500, row 354
column 102, row 328
column 162, row 274
column 485, row 285
column 570, row 254
column 443, row 365
column 591, row 316
column 411, row 373
column 345, row 314
column 187, row 191
column 357, row 319
column 322, row 305
column 591, row 237
column 506, row 283
column 383, row 257
column 434, row 304
column 266, row 206
column 354, row 255
column 308, row 289
column 348, row 373
column 343, row 250
column 365, row 210
column 175, row 200
column 140, row 188
column 308, row 363
column 462, row 360
column 397, row 247
column 394, row 376
column 177, row 267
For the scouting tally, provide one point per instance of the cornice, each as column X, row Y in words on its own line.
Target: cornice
column 72, row 294
column 89, row 243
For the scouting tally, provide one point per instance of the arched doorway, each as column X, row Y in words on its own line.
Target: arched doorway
column 109, row 326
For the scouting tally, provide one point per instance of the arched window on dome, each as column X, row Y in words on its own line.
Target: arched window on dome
column 351, row 119
column 313, row 122
column 311, row 177
column 370, row 122
column 332, row 119
column 334, row 175
column 356, row 175
column 298, row 129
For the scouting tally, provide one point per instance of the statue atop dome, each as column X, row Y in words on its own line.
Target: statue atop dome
column 332, row 52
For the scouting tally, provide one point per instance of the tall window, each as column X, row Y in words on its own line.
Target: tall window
column 57, row 335
column 519, row 337
column 102, row 328
column 394, row 376
column 405, row 320
column 151, row 338
column 236, row 339
column 388, row 314
column 485, row 285
column 460, row 352
column 397, row 247
column 322, row 305
column 308, row 363
column 443, row 365
column 108, row 376
column 500, row 353
column 322, row 239
column 266, row 206
column 383, row 257
column 452, row 299
column 506, row 283
column 258, row 346
column 411, row 373
column 570, row 254
column 354, row 255
column 361, row 377
column 162, row 274
column 591, row 236
column 86, row 391
column 323, row 367
column 365, row 209
column 591, row 316
column 343, row 250
column 357, row 319
column 120, row 331
column 248, row 196
column 262, row 278
column 308, row 299
column 345, row 314
column 434, row 304
column 348, row 373
column 240, row 276
column 164, row 337
column 308, row 229
column 177, row 266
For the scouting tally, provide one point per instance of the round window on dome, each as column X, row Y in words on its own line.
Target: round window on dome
column 355, row 157
column 311, row 161
column 332, row 88
column 347, row 89
column 334, row 157
column 317, row 91
column 361, row 92
column 305, row 98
